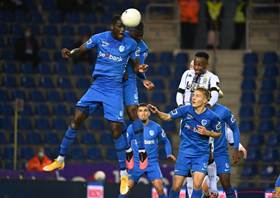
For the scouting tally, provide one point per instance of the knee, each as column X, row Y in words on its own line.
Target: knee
column 116, row 131
column 226, row 184
column 159, row 189
column 196, row 185
column 176, row 187
column 74, row 125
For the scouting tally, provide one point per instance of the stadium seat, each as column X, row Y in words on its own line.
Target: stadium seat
column 248, row 98
column 113, row 6
column 3, row 140
column 28, row 82
column 50, row 30
column 269, row 171
column 271, row 71
column 162, row 154
column 12, row 41
column 36, row 96
column 31, row 5
column 55, row 18
column 166, row 57
column 266, row 98
column 27, row 153
column 249, row 171
column 90, row 18
column 27, row 68
column 251, row 58
column 179, row 70
column 67, row 43
column 169, row 126
column 44, row 56
column 246, row 126
column 106, row 139
column 256, row 140
column 64, row 83
column 250, row 71
column 253, row 155
column 4, row 96
column 27, row 111
column 78, row 69
column 49, row 43
column 34, row 138
column 142, row 97
column 77, row 153
column 70, row 96
column 24, row 124
column 10, row 166
column 42, row 110
column 274, row 140
column 106, row 18
column 53, row 96
column 20, row 139
column 35, row 30
column 151, row 71
column 83, row 83
column 60, row 110
column 159, row 84
column 111, row 154
column 67, row 30
column 182, row 58
column 51, row 138
column 269, row 85
column 94, row 154
column 8, row 55
column 164, row 70
column 84, row 30
column 17, row 29
column 5, row 16
column 270, row 58
column 59, row 124
column 73, row 17
column 58, row 58
column 99, row 29
column 246, row 112
column 9, row 68
column 248, row 85
column 158, row 97
column 97, row 125
column 61, row 69
column 9, row 152
column 173, row 98
column 267, row 112
column 44, row 69
column 2, row 43
column 3, row 29
column 18, row 94
column 128, row 4
column 246, row 185
column 42, row 124
column 48, row 5
column 6, row 110
column 88, row 139
column 174, row 84
column 6, row 123
column 46, row 83
column 151, row 58
column 265, row 126
column 36, row 17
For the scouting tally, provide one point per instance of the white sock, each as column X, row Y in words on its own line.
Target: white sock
column 60, row 159
column 128, row 150
column 142, row 150
column 190, row 186
column 212, row 174
column 123, row 173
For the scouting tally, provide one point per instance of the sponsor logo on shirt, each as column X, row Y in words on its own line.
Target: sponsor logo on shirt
column 121, row 48
column 109, row 56
column 174, row 111
column 105, row 44
column 189, row 116
column 191, row 128
column 149, row 141
column 192, row 86
column 151, row 132
column 203, row 122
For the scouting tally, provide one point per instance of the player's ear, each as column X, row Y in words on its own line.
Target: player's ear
column 112, row 26
column 207, row 64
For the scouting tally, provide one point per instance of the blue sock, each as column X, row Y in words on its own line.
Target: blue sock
column 197, row 193
column 125, row 135
column 123, row 196
column 162, row 196
column 68, row 138
column 278, row 182
column 120, row 148
column 174, row 194
column 230, row 193
column 137, row 127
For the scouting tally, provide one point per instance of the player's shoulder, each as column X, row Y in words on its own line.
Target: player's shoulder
column 223, row 108
column 128, row 40
column 212, row 75
column 154, row 124
column 212, row 114
column 143, row 46
column 189, row 73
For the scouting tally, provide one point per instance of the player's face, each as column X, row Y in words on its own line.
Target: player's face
column 200, row 64
column 143, row 113
column 117, row 30
column 198, row 99
column 137, row 35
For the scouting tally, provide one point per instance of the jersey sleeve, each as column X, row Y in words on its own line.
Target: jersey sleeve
column 178, row 112
column 129, row 134
column 229, row 136
column 231, row 121
column 162, row 137
column 142, row 58
column 135, row 51
column 216, row 124
column 93, row 41
column 214, row 83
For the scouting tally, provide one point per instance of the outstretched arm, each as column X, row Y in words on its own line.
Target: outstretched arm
column 139, row 68
column 161, row 115
column 66, row 53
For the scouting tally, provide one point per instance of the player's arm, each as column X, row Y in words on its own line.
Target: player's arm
column 159, row 114
column 181, row 90
column 139, row 68
column 162, row 136
column 214, row 89
column 203, row 131
column 147, row 83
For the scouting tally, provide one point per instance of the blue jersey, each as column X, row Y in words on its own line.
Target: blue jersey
column 143, row 48
column 112, row 55
column 152, row 132
column 192, row 144
column 227, row 119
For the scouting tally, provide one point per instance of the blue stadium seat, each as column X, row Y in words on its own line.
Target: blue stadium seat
column 106, row 139
column 53, row 96
column 18, row 94
column 35, row 30
column 46, row 83
column 128, row 4
column 246, row 112
column 27, row 68
column 269, row 171
column 58, row 58
column 3, row 29
column 166, row 57
column 106, row 18
column 36, row 96
column 83, row 83
column 4, row 96
column 142, row 97
column 24, row 124
column 31, row 5
column 179, row 70
column 48, row 5
column 48, row 153
column 170, row 108
column 277, row 130
column 182, row 58
column 9, row 152
column 246, row 126
column 44, row 68
column 60, row 110
column 78, row 69
column 67, row 43
column 158, row 97
column 6, row 123
column 249, row 171
column 174, row 84
column 164, row 70
column 5, row 16
column 111, row 154
column 27, row 111
column 28, row 82
column 17, row 29
column 246, row 185
column 173, row 98
column 269, row 85
column 162, row 154
column 90, row 18
column 6, row 110
column 36, row 17
column 142, row 6
column 42, row 124
column 169, row 126
column 88, row 139
column 267, row 112
column 271, row 71
column 248, row 98
column 256, row 140
column 44, row 56
column 251, row 58
column 151, row 58
column 20, row 139
column 77, row 153
column 70, row 96
column 59, row 124
column 12, row 41
column 51, row 138
column 250, row 71
column 67, row 30
column 248, row 85
column 99, row 29
column 151, row 71
column 266, row 98
column 10, row 68
column 113, row 6
column 27, row 153
column 42, row 110
column 64, row 83
column 97, row 124
column 84, row 30
column 50, row 30
column 34, row 138
column 94, row 154
column 3, row 140
column 270, row 58
column 10, row 166
column 274, row 140
column 8, row 55
column 61, row 69
column 49, row 43
column 265, row 126
column 2, row 43
column 253, row 155
column 73, row 17
column 159, row 84
column 55, row 18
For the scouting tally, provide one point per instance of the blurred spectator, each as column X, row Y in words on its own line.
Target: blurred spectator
column 87, row 56
column 189, row 19
column 38, row 162
column 99, row 7
column 66, row 6
column 239, row 24
column 214, row 16
column 83, row 6
column 13, row 5
column 27, row 48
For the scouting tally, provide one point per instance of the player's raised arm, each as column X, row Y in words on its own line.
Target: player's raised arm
column 162, row 136
column 214, row 89
column 66, row 53
column 161, row 115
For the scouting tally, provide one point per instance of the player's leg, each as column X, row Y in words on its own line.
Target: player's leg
column 129, row 151
column 197, row 183
column 205, row 188
column 131, row 183
column 225, row 181
column 177, row 185
column 189, row 185
column 134, row 176
column 158, row 184
column 276, row 192
column 154, row 174
column 212, row 175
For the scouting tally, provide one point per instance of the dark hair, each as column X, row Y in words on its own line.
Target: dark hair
column 140, row 26
column 143, row 105
column 115, row 19
column 202, row 55
column 204, row 91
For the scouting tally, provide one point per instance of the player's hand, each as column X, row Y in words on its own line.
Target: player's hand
column 171, row 157
column 202, row 130
column 148, row 84
column 153, row 108
column 65, row 53
column 242, row 149
column 235, row 155
column 143, row 68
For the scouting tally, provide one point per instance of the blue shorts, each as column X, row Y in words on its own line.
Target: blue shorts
column 130, row 93
column 197, row 164
column 222, row 163
column 152, row 171
column 106, row 93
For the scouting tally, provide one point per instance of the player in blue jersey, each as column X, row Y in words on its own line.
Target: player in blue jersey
column 276, row 193
column 114, row 49
column 152, row 133
column 131, row 98
column 198, row 124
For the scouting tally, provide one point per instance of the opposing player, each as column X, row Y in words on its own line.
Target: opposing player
column 114, row 50
column 198, row 124
column 131, row 98
column 152, row 133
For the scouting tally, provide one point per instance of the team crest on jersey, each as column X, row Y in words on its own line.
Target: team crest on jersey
column 232, row 119
column 89, row 41
column 203, row 122
column 189, row 116
column 204, row 80
column 205, row 165
column 137, row 53
column 145, row 55
column 121, row 48
column 218, row 126
column 163, row 134
column 121, row 113
column 135, row 96
column 151, row 132
column 227, row 165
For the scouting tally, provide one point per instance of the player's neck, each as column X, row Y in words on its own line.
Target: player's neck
column 200, row 110
column 146, row 122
